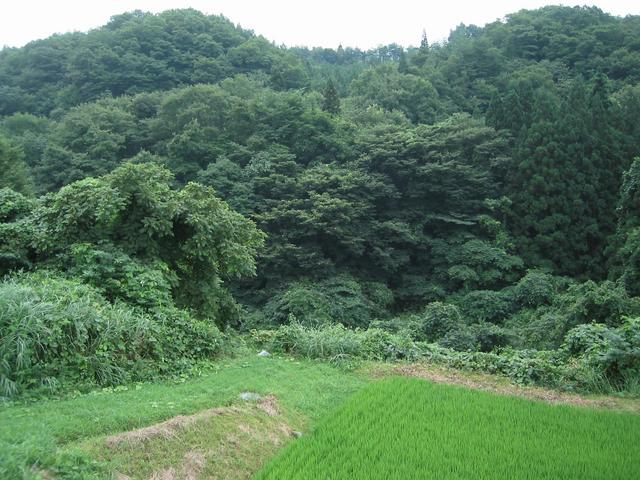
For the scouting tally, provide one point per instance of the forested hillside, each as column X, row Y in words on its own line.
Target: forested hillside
column 167, row 177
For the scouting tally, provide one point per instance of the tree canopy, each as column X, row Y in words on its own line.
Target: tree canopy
column 481, row 192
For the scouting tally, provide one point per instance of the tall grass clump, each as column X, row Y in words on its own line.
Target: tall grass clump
column 412, row 429
column 335, row 341
column 56, row 332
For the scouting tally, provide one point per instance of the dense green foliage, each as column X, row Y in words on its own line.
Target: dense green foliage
column 140, row 282
column 411, row 429
column 136, row 52
column 592, row 358
column 478, row 194
column 59, row 332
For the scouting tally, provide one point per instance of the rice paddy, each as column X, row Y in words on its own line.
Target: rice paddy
column 412, row 429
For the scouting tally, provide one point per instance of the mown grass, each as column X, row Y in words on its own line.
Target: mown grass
column 60, row 436
column 412, row 429
column 229, row 445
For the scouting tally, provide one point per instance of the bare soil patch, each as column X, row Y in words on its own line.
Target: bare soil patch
column 269, row 405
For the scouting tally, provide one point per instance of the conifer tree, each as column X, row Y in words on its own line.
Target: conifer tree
column 331, row 102
column 420, row 58
column 403, row 65
column 424, row 42
column 625, row 244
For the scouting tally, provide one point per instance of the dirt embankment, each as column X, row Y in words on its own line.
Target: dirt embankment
column 242, row 436
column 493, row 384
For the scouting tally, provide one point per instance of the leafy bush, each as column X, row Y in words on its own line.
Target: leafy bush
column 436, row 320
column 183, row 338
column 120, row 277
column 482, row 336
column 335, row 342
column 378, row 344
column 461, row 339
column 485, row 306
column 340, row 299
column 60, row 333
column 590, row 354
column 433, row 323
column 604, row 302
column 131, row 227
column 489, row 336
column 541, row 329
column 522, row 366
column 613, row 353
column 15, row 232
column 300, row 301
column 535, row 289
column 406, row 323
column 545, row 327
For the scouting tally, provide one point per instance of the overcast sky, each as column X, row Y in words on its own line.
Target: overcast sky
column 325, row 23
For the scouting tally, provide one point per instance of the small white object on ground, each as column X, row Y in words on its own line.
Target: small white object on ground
column 250, row 396
column 264, row 353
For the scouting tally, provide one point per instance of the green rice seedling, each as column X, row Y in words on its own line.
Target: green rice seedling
column 411, row 429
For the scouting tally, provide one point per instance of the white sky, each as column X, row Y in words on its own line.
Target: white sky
column 326, row 23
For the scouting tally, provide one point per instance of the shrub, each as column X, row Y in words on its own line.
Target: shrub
column 316, row 342
column 485, row 306
column 462, row 339
column 61, row 333
column 604, row 302
column 436, row 320
column 541, row 329
column 484, row 337
column 535, row 289
column 140, row 229
column 340, row 299
column 120, row 277
column 545, row 327
column 183, row 337
column 378, row 344
column 489, row 336
column 522, row 366
column 408, row 324
column 457, row 349
column 15, row 231
column 612, row 353
column 300, row 301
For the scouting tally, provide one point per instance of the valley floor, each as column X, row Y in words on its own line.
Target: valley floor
column 201, row 428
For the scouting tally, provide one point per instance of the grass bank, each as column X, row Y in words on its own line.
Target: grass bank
column 65, row 439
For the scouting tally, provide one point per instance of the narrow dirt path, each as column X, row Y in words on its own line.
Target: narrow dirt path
column 494, row 384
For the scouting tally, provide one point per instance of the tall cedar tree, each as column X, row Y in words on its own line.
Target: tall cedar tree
column 331, row 101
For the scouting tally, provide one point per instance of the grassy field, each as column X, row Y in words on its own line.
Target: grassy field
column 363, row 427
column 412, row 429
column 66, row 439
